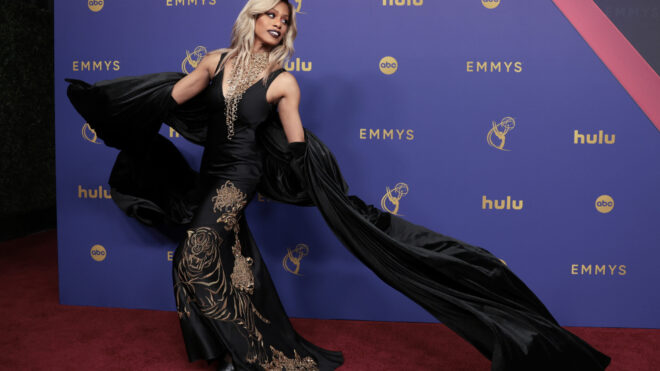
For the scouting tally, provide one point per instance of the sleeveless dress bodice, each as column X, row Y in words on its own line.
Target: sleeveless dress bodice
column 241, row 155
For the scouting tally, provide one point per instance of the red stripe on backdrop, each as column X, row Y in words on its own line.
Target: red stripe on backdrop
column 622, row 59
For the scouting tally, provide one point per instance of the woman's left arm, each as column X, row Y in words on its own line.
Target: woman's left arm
column 285, row 91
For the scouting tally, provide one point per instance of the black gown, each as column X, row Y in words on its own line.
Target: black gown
column 225, row 297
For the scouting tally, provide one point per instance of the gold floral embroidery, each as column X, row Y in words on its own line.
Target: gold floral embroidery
column 229, row 201
column 202, row 281
column 281, row 362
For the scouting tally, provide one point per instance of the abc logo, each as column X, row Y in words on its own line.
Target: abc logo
column 98, row 253
column 95, row 5
column 490, row 4
column 604, row 204
column 388, row 65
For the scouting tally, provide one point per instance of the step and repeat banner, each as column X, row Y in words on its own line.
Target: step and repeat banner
column 491, row 121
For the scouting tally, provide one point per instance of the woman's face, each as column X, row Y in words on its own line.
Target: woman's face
column 271, row 26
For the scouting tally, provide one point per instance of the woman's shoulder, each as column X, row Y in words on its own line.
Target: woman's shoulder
column 211, row 62
column 284, row 84
column 283, row 77
column 214, row 57
column 218, row 53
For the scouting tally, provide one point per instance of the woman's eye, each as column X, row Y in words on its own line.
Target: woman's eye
column 285, row 21
column 271, row 15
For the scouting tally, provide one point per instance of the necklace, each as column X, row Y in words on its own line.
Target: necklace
column 240, row 80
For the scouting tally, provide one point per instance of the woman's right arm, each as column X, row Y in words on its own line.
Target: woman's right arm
column 197, row 80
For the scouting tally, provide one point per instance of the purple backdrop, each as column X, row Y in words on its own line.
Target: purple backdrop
column 473, row 107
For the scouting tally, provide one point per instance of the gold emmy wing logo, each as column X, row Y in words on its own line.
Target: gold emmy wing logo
column 98, row 253
column 388, row 65
column 392, row 197
column 298, row 6
column 192, row 59
column 291, row 261
column 490, row 4
column 95, row 5
column 500, row 131
column 89, row 134
column 604, row 204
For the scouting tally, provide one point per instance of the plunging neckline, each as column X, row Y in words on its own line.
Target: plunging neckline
column 222, row 85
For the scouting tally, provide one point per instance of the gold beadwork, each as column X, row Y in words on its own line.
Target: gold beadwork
column 239, row 81
column 241, row 276
column 280, row 362
column 229, row 201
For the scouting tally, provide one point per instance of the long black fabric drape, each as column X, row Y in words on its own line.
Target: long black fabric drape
column 464, row 286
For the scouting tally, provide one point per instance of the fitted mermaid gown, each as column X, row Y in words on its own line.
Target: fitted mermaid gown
column 225, row 298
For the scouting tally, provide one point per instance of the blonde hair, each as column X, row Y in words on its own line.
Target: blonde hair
column 242, row 37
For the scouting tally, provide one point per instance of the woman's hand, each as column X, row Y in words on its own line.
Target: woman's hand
column 285, row 91
column 197, row 80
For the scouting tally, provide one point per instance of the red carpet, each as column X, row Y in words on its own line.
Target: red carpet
column 40, row 334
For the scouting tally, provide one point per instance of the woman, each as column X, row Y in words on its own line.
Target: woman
column 244, row 109
column 222, row 286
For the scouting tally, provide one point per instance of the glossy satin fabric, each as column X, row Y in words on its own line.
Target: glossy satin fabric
column 463, row 286
column 222, row 286
column 225, row 298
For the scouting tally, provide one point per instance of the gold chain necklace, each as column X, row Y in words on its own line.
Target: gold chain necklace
column 240, row 80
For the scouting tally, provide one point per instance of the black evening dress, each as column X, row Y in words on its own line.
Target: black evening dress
column 225, row 297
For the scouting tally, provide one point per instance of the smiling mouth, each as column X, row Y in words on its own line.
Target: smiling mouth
column 274, row 33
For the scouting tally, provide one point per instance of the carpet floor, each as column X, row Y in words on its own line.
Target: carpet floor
column 38, row 333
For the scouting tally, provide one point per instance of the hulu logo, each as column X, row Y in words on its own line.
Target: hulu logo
column 93, row 193
column 298, row 65
column 599, row 138
column 506, row 204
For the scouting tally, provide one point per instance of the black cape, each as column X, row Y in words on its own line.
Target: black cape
column 465, row 287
